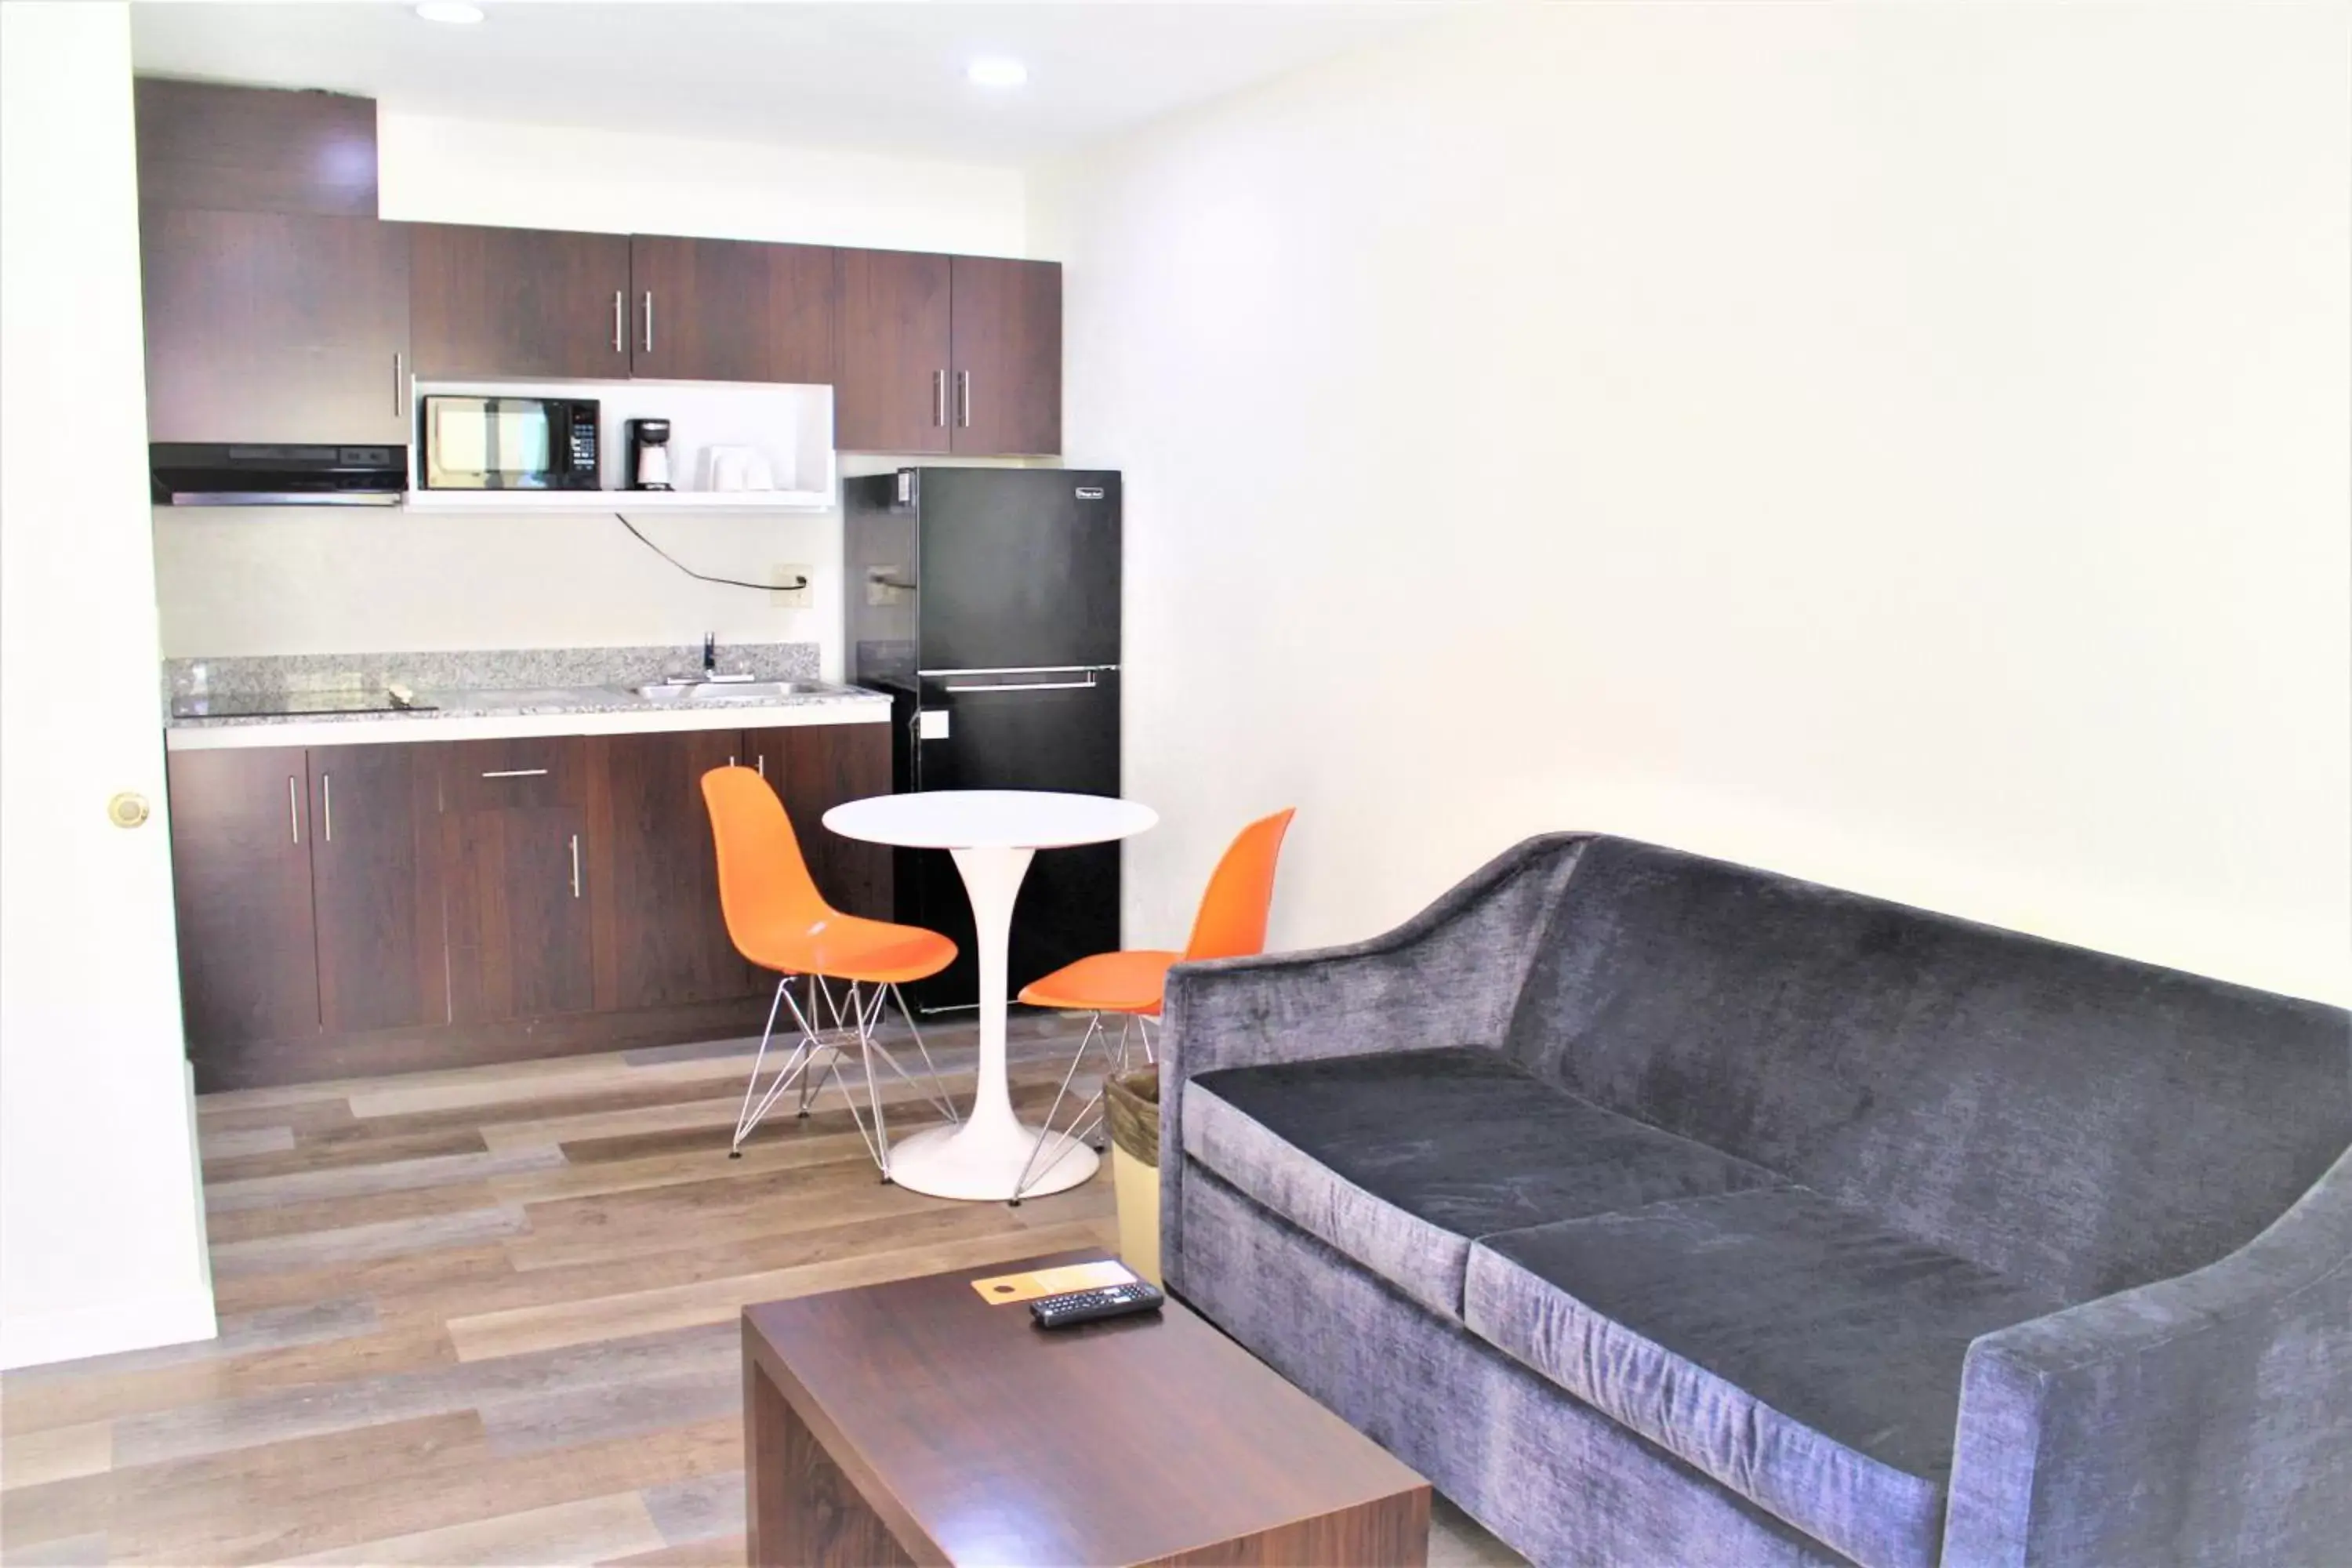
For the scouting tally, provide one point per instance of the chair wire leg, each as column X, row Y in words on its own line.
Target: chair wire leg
column 1096, row 1034
column 812, row 1086
column 939, row 1089
column 865, row 1049
column 813, row 1041
column 856, row 1021
column 794, row 1067
column 1031, row 1172
column 929, row 1085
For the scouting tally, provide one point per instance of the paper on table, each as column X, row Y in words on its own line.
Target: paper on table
column 999, row 1288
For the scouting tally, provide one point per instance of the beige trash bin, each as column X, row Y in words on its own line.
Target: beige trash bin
column 1132, row 1100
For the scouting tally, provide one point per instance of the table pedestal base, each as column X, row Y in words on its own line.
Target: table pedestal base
column 984, row 1160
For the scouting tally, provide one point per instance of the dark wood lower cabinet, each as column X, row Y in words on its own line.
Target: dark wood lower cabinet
column 660, row 935
column 241, row 890
column 514, row 823
column 389, row 907
column 260, row 1064
column 375, row 888
column 814, row 768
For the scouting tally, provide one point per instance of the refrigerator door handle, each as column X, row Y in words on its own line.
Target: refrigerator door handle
column 1086, row 685
column 1025, row 669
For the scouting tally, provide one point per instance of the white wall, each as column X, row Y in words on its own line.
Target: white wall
column 269, row 580
column 266, row 580
column 433, row 168
column 1902, row 445
column 101, row 1235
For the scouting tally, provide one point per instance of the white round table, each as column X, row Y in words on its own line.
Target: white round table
column 992, row 833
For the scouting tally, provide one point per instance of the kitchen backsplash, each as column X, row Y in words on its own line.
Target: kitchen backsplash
column 503, row 669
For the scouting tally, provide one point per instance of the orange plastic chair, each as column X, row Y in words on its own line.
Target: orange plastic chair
column 778, row 920
column 1231, row 925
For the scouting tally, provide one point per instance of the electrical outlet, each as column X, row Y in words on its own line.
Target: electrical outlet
column 784, row 596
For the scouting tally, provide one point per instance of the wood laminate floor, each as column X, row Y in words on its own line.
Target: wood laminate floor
column 489, row 1316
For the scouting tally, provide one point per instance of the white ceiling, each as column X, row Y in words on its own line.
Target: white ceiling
column 879, row 76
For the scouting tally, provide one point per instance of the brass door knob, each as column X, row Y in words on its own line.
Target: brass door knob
column 127, row 809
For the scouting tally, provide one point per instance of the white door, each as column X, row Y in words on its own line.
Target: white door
column 102, row 1229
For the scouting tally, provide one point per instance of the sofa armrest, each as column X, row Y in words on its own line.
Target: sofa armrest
column 2206, row 1418
column 1449, row 976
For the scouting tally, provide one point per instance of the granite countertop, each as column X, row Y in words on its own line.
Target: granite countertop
column 503, row 692
column 493, row 702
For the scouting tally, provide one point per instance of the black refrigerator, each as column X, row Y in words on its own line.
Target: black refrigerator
column 986, row 602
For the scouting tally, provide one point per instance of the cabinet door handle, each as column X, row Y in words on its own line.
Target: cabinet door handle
column 760, row 763
column 293, row 809
column 327, row 801
column 516, row 774
column 649, row 321
column 939, row 398
column 399, row 387
column 963, row 397
column 575, row 865
column 618, row 346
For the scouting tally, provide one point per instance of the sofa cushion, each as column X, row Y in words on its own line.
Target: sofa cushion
column 1800, row 1352
column 1400, row 1160
column 2059, row 1115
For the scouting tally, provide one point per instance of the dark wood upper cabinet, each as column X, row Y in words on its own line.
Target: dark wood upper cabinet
column 513, row 303
column 891, row 394
column 274, row 326
column 732, row 310
column 514, row 878
column 279, row 308
column 660, row 935
column 255, row 149
column 375, row 886
column 814, row 768
column 1006, row 356
column 241, row 889
column 804, row 314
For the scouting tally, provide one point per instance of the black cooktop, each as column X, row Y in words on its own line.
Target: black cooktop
column 290, row 704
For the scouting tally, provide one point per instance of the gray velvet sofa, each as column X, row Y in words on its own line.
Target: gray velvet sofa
column 1666, row 1211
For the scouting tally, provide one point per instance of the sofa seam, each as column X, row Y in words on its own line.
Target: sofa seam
column 1784, row 1185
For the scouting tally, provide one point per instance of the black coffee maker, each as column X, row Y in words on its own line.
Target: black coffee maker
column 649, row 455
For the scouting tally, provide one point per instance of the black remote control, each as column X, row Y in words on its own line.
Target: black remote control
column 1086, row 1306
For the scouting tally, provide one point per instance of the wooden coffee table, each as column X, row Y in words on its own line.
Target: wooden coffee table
column 914, row 1422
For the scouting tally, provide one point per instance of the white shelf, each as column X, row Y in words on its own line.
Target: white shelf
column 523, row 501
column 789, row 426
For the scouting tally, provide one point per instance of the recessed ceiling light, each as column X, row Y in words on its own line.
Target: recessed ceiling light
column 997, row 71
column 456, row 13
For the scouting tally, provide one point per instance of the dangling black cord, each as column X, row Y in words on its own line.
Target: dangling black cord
column 793, row 587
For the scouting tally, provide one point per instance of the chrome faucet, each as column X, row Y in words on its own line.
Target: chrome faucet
column 710, row 662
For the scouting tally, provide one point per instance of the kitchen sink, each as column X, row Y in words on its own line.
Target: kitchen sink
column 706, row 692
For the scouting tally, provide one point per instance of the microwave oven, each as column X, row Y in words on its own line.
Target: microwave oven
column 505, row 443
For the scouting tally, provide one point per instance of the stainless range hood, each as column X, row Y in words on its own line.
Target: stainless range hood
column 224, row 473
